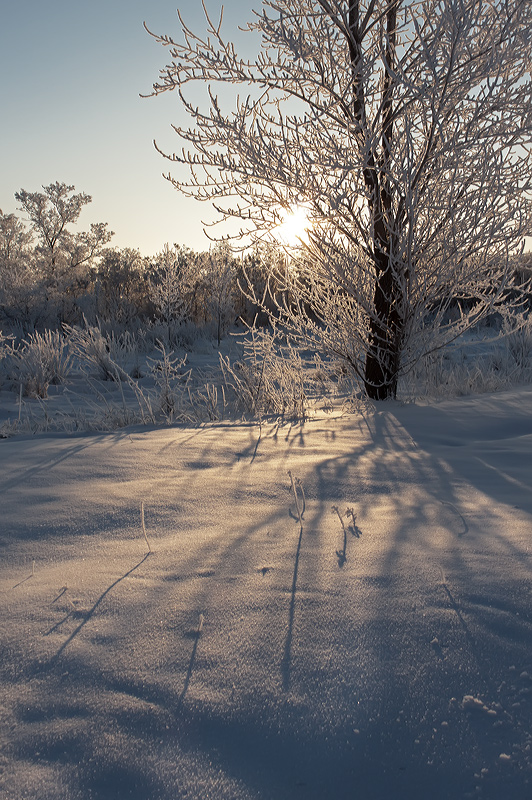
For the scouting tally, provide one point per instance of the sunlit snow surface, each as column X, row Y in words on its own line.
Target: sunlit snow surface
column 386, row 657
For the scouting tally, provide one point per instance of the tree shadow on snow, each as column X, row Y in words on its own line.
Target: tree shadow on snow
column 86, row 616
column 326, row 677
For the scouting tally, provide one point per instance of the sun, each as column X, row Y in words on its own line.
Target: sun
column 293, row 230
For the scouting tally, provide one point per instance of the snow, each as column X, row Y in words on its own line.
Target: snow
column 378, row 648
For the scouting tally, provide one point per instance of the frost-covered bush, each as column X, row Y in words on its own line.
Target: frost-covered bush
column 217, row 289
column 189, row 336
column 169, row 378
column 186, row 335
column 462, row 371
column 487, row 374
column 39, row 361
column 518, row 337
column 176, row 396
column 272, row 377
column 4, row 345
column 4, row 350
column 490, row 358
column 95, row 350
column 171, row 288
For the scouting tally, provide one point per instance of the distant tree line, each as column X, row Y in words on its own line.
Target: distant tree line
column 51, row 276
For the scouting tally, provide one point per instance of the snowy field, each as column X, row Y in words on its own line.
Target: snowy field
column 377, row 647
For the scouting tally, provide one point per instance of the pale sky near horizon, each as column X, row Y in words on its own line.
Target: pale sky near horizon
column 71, row 73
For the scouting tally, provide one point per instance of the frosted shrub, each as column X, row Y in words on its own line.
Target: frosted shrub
column 169, row 381
column 94, row 349
column 188, row 335
column 5, row 348
column 185, row 335
column 175, row 399
column 474, row 368
column 272, row 377
column 40, row 360
column 517, row 330
column 218, row 289
column 170, row 287
column 4, row 345
column 206, row 404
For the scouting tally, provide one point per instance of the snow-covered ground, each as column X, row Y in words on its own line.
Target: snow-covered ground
column 379, row 648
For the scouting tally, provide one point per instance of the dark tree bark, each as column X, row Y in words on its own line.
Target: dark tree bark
column 382, row 359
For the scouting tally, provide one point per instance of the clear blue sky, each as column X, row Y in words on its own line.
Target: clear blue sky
column 70, row 110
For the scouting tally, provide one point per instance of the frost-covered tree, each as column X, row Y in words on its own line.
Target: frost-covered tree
column 121, row 285
column 170, row 284
column 217, row 271
column 255, row 274
column 15, row 240
column 18, row 290
column 62, row 257
column 404, row 127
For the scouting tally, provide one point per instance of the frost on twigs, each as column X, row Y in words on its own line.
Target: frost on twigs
column 169, row 377
column 175, row 397
column 405, row 131
column 41, row 360
column 170, row 284
column 495, row 358
column 275, row 377
column 94, row 350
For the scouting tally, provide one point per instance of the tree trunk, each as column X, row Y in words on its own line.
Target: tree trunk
column 384, row 343
column 384, row 347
